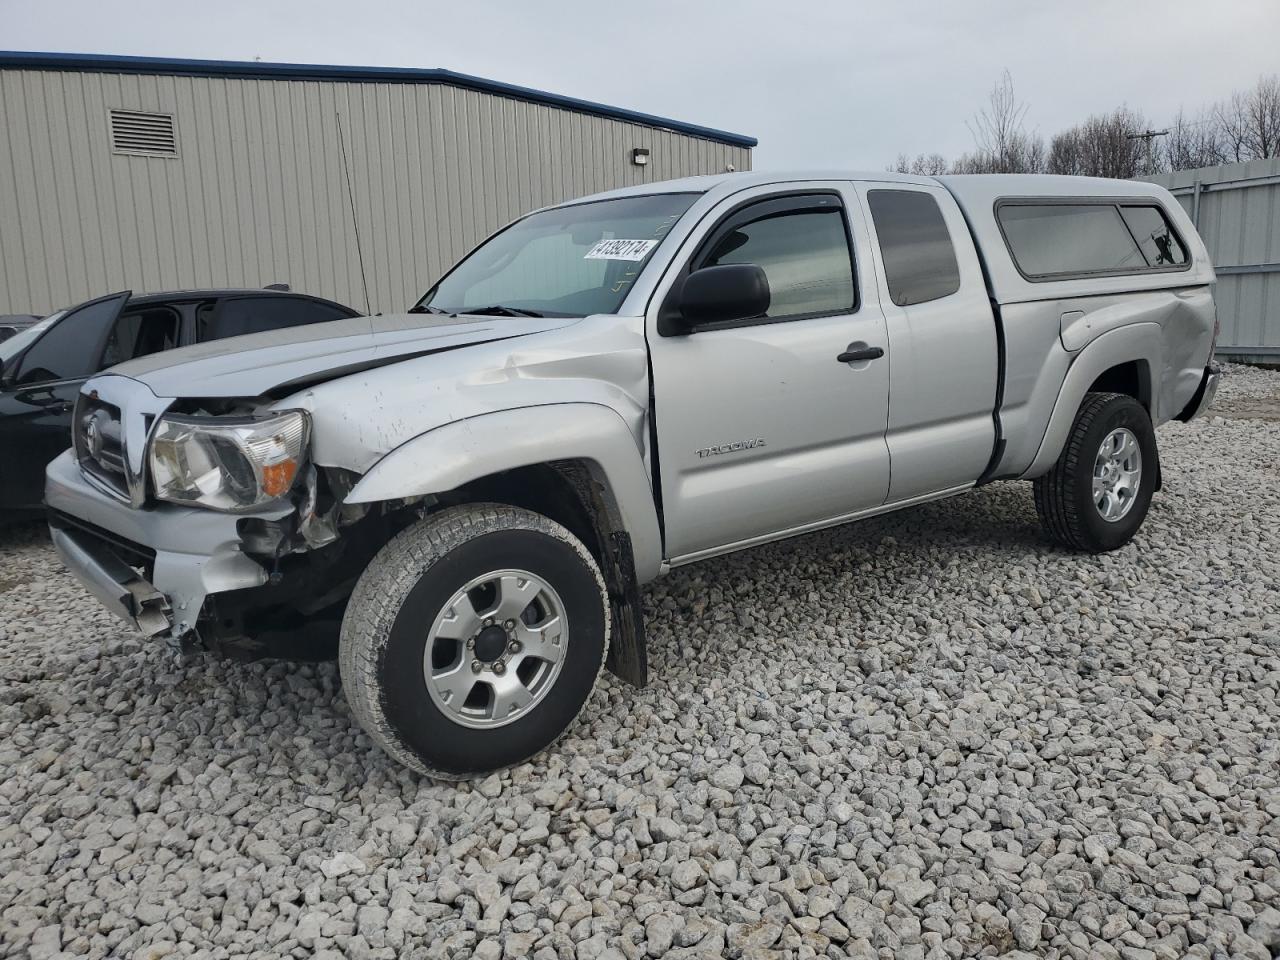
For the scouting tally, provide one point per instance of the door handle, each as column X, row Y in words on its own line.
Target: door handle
column 855, row 353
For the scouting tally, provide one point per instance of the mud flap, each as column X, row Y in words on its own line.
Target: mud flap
column 628, row 654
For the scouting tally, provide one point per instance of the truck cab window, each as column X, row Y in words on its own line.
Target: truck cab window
column 804, row 253
column 919, row 258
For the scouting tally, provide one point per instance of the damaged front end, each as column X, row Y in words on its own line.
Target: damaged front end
column 312, row 557
column 207, row 524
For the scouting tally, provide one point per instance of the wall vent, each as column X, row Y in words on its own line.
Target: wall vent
column 143, row 134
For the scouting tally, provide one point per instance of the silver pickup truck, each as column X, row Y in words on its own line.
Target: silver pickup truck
column 466, row 498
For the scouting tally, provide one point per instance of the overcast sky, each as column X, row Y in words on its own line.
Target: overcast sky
column 833, row 84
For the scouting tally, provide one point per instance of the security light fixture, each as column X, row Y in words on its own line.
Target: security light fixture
column 640, row 156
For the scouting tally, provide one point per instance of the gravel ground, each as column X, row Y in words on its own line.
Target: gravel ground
column 928, row 735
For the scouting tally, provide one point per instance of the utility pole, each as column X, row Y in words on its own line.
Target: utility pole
column 1148, row 136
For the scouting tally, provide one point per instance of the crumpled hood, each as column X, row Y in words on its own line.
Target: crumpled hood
column 260, row 363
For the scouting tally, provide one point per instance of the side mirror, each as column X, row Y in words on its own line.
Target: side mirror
column 734, row 291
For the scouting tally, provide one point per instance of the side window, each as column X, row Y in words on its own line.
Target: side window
column 803, row 252
column 68, row 350
column 1159, row 244
column 141, row 333
column 919, row 258
column 1051, row 240
column 241, row 315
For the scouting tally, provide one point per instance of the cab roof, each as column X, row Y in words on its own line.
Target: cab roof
column 747, row 178
column 977, row 196
column 976, row 187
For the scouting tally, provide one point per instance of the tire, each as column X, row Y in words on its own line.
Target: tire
column 412, row 595
column 1064, row 496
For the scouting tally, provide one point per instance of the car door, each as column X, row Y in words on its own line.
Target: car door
column 762, row 428
column 944, row 358
column 39, row 390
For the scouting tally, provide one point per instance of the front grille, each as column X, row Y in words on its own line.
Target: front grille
column 98, row 435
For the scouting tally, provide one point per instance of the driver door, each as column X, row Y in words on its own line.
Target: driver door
column 763, row 429
column 39, row 391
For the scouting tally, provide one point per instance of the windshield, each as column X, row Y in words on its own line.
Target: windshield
column 24, row 338
column 566, row 262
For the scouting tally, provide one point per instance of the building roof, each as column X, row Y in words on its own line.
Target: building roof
column 104, row 63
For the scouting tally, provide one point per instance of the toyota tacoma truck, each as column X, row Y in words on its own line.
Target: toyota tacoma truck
column 467, row 497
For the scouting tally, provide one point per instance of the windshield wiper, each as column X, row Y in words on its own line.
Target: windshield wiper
column 498, row 310
column 424, row 308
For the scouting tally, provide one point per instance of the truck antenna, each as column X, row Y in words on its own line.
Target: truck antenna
column 355, row 223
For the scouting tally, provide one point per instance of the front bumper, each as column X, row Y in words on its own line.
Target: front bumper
column 153, row 566
column 1204, row 394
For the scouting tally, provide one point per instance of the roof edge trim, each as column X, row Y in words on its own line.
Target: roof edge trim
column 240, row 69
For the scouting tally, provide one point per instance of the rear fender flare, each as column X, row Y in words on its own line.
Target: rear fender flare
column 465, row 450
column 1138, row 341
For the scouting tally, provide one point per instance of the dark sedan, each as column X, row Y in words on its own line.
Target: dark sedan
column 43, row 366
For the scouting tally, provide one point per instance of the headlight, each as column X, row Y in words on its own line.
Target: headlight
column 228, row 463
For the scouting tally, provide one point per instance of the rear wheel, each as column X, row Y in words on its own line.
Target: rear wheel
column 474, row 639
column 1098, row 493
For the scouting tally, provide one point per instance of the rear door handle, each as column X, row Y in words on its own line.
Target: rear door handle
column 853, row 355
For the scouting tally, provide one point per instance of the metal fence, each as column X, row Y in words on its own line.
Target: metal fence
column 1236, row 208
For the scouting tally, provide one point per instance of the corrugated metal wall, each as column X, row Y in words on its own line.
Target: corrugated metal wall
column 258, row 191
column 1236, row 208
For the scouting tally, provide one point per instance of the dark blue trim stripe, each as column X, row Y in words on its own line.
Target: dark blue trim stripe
column 105, row 63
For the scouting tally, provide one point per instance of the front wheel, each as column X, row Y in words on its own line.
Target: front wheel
column 473, row 639
column 1098, row 493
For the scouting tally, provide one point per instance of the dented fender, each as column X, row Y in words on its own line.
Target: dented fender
column 1137, row 341
column 462, row 451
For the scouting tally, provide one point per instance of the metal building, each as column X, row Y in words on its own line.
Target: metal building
column 361, row 184
column 1236, row 208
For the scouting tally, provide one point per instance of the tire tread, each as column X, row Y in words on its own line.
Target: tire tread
column 375, row 603
column 1055, row 492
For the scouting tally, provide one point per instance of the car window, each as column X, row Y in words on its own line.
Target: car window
column 240, row 315
column 15, row 344
column 1069, row 238
column 919, row 257
column 1159, row 244
column 542, row 270
column 565, row 261
column 804, row 254
column 139, row 333
column 68, row 349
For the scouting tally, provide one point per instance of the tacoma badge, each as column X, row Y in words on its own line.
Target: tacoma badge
column 731, row 447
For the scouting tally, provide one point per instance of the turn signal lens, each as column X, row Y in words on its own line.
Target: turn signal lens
column 277, row 478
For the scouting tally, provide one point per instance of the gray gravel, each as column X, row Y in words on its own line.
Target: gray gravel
column 929, row 735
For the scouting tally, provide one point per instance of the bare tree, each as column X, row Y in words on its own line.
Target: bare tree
column 1231, row 120
column 1248, row 122
column 1003, row 144
column 923, row 164
column 1193, row 143
column 1106, row 145
column 1245, row 126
